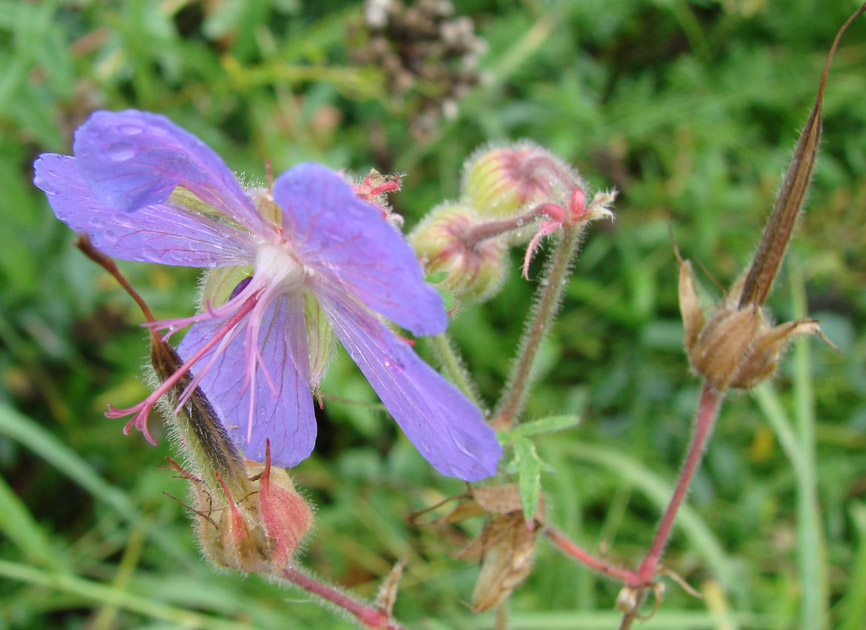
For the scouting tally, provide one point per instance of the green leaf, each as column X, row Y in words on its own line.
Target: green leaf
column 18, row 524
column 436, row 277
column 46, row 445
column 550, row 424
column 529, row 467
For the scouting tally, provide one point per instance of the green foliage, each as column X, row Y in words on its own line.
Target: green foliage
column 690, row 109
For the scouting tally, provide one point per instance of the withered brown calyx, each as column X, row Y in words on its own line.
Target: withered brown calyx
column 737, row 346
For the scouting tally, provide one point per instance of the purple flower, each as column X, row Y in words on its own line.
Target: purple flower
column 144, row 189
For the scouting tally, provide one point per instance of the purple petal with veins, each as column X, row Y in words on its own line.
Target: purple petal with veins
column 259, row 381
column 144, row 189
column 157, row 233
column 443, row 425
column 134, row 159
column 346, row 239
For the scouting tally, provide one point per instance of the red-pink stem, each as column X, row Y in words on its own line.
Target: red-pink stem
column 367, row 615
column 568, row 547
column 708, row 408
column 491, row 229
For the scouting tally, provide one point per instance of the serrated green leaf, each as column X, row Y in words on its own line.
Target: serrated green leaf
column 529, row 473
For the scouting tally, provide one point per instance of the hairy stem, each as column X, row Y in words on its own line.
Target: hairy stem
column 491, row 229
column 452, row 364
column 552, row 286
column 570, row 548
column 708, row 408
column 365, row 614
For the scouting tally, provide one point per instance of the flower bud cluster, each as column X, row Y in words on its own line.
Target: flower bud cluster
column 509, row 194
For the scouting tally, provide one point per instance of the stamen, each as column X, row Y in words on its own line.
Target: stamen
column 210, row 312
column 142, row 409
column 190, row 388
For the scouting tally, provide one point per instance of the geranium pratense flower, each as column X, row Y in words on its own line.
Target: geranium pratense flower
column 144, row 189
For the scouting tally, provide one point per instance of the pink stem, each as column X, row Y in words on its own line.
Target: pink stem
column 626, row 576
column 367, row 615
column 491, row 229
column 708, row 408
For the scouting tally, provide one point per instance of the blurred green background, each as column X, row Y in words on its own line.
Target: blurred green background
column 690, row 109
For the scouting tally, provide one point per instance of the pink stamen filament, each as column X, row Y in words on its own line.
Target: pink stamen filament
column 173, row 325
column 142, row 409
column 194, row 383
column 254, row 354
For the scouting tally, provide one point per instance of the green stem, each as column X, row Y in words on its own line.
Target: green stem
column 812, row 560
column 453, row 366
column 551, row 288
column 797, row 439
column 106, row 618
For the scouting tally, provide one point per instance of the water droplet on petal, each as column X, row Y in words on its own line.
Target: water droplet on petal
column 108, row 237
column 150, row 254
column 120, row 152
column 96, row 223
column 130, row 130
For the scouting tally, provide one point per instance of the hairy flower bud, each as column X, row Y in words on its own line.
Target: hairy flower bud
column 501, row 182
column 474, row 273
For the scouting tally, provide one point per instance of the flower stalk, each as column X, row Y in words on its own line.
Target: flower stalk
column 572, row 549
column 495, row 228
column 452, row 364
column 551, row 289
column 367, row 615
column 708, row 410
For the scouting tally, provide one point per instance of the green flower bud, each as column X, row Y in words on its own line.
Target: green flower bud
column 473, row 273
column 501, row 182
column 219, row 283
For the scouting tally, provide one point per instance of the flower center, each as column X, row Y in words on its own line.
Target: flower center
column 277, row 265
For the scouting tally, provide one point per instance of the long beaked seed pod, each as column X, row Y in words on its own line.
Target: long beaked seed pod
column 737, row 346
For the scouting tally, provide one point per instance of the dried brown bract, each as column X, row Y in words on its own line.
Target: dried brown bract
column 737, row 346
column 505, row 545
